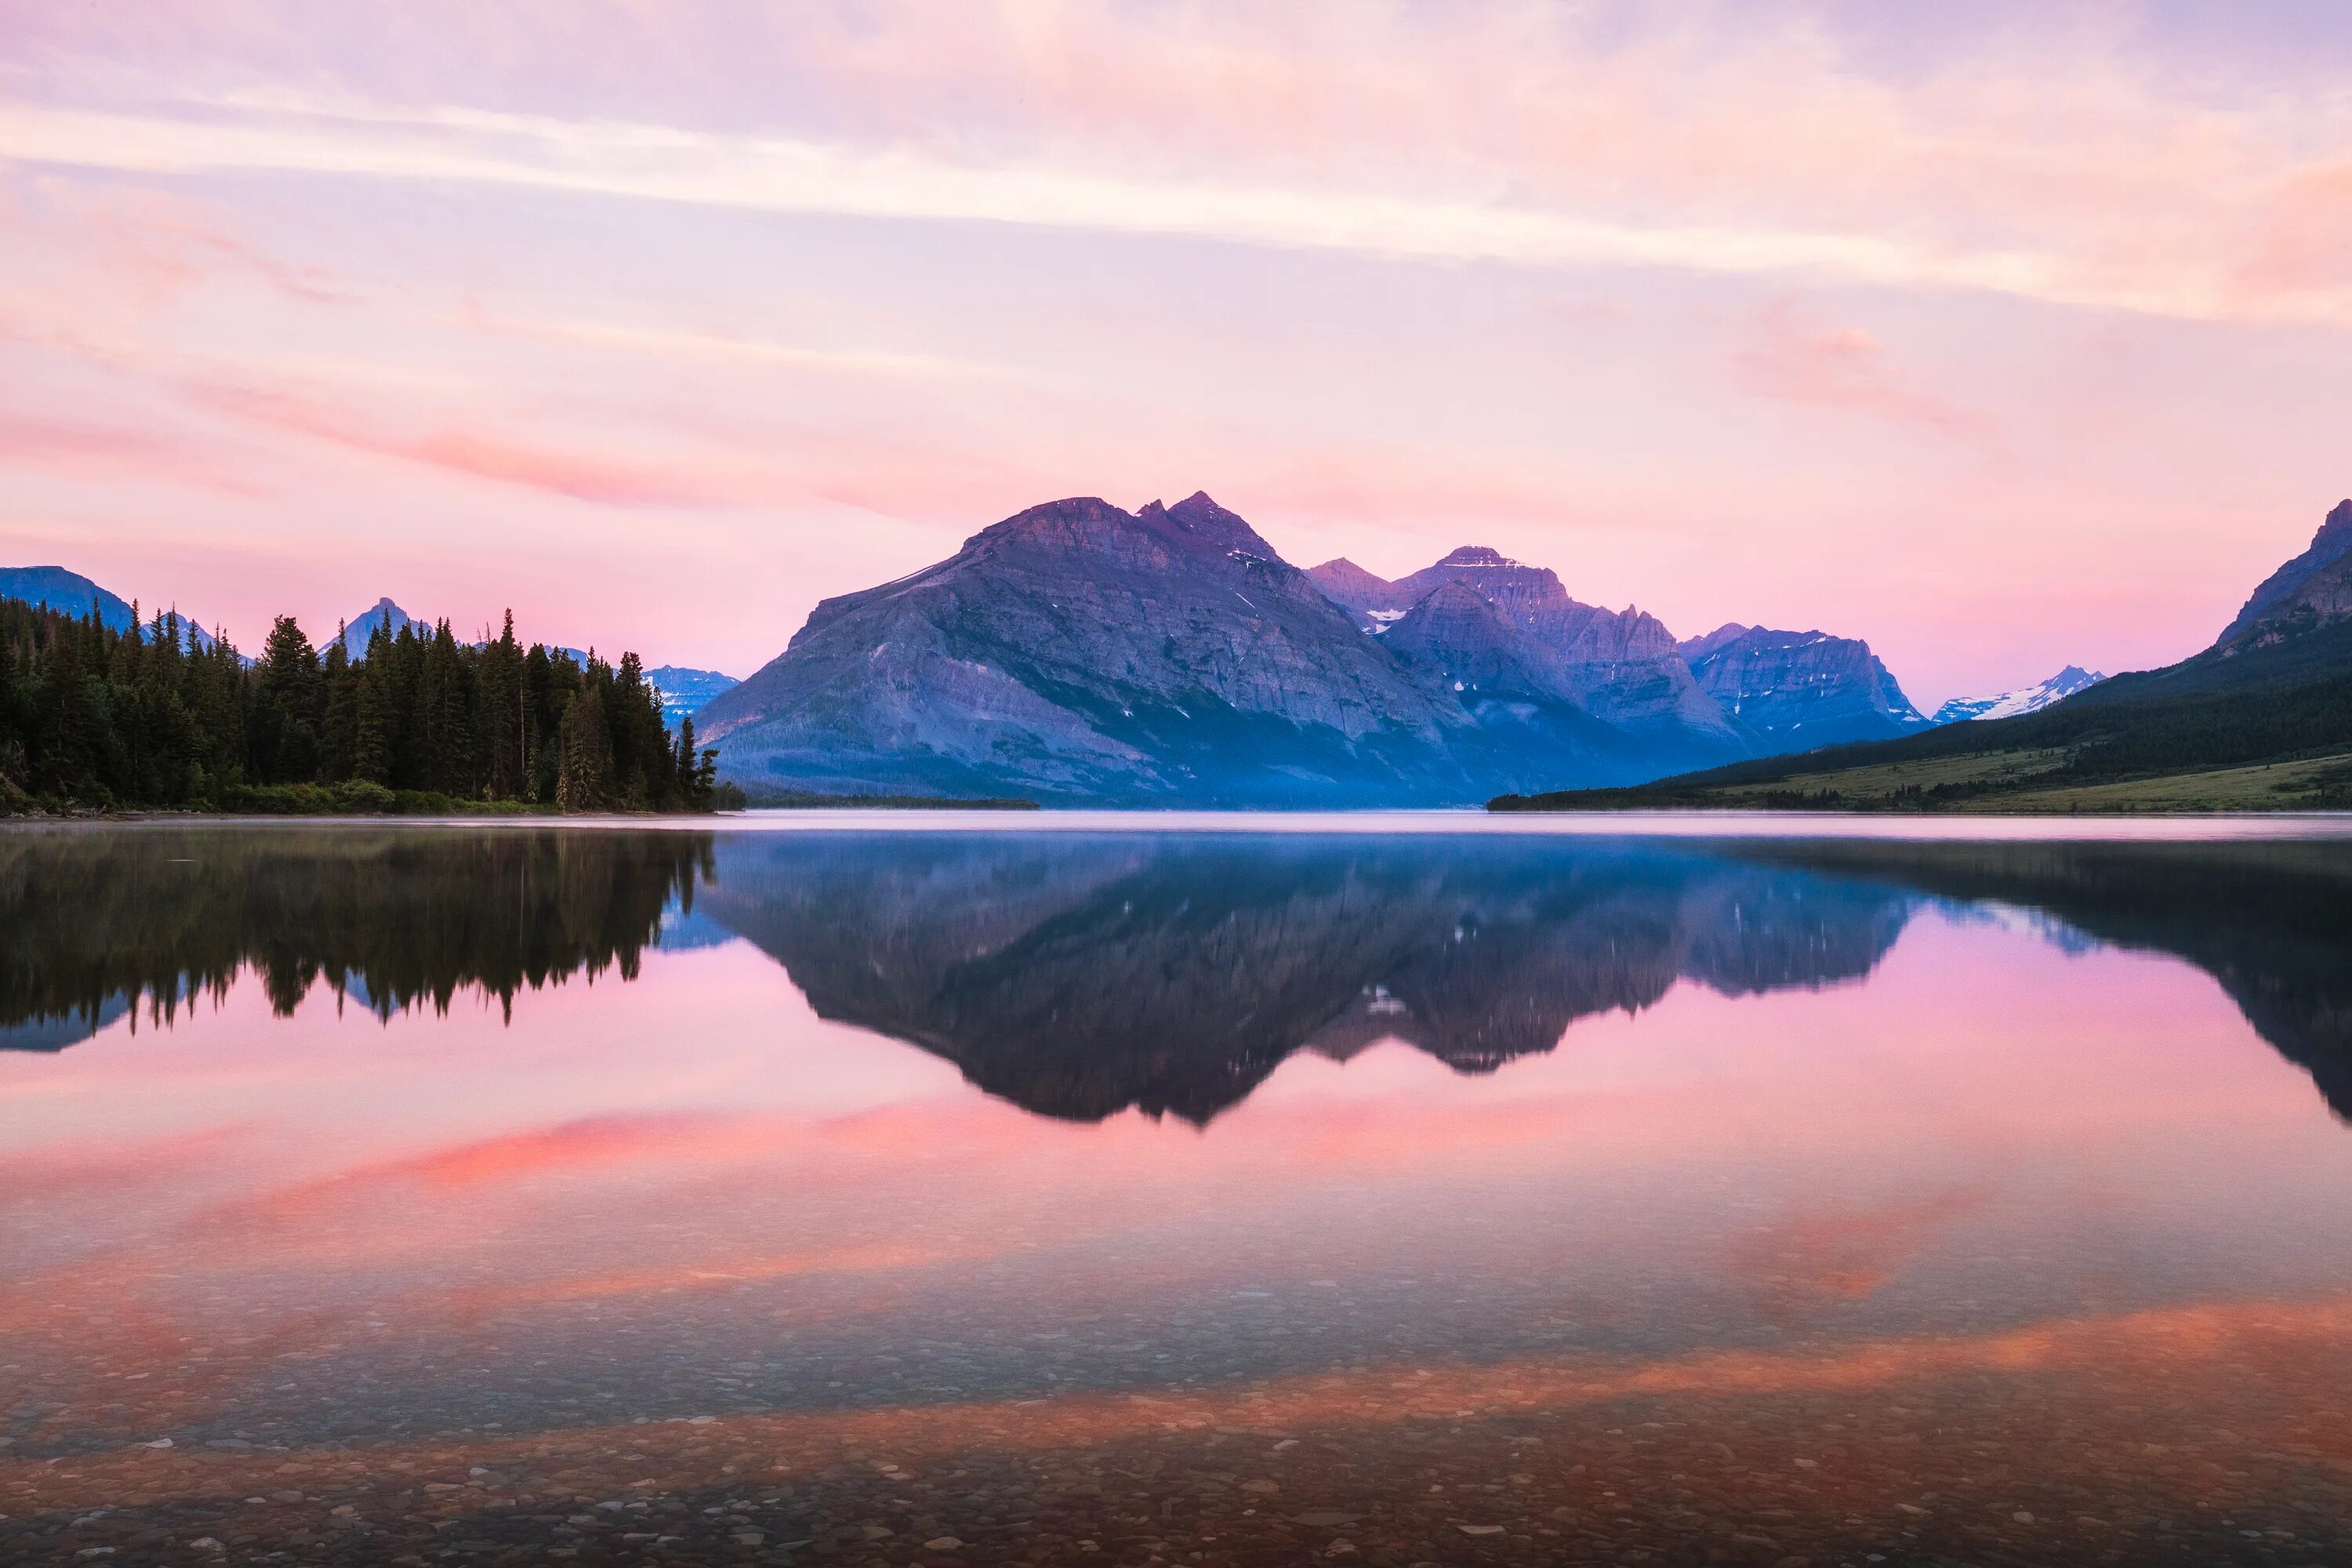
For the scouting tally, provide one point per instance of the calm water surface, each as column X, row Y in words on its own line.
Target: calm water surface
column 1042, row 1191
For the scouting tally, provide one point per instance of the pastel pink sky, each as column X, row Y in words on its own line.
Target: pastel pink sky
column 2004, row 342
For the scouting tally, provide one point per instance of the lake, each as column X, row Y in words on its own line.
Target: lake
column 1050, row 1189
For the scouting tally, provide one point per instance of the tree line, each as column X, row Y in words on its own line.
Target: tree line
column 91, row 715
column 401, row 918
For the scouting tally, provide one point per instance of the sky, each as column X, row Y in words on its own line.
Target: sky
column 2005, row 337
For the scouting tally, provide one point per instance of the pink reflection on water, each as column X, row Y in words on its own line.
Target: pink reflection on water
column 1985, row 1117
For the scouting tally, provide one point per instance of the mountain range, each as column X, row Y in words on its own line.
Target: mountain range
column 1077, row 652
column 2260, row 721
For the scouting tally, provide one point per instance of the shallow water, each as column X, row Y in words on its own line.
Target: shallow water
column 1054, row 1189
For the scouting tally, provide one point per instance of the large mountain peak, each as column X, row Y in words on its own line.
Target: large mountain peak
column 1475, row 649
column 1346, row 584
column 1478, row 555
column 1079, row 651
column 2337, row 530
column 1201, row 518
column 2025, row 700
column 383, row 613
column 1806, row 687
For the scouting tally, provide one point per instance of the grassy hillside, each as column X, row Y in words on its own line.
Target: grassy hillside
column 2265, row 730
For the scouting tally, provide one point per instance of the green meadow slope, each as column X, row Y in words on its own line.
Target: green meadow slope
column 2265, row 728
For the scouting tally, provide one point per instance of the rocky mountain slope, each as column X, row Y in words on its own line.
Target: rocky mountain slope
column 1621, row 667
column 2310, row 591
column 2031, row 698
column 1077, row 651
column 1801, row 689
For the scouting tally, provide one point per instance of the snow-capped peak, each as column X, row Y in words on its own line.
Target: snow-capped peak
column 2027, row 699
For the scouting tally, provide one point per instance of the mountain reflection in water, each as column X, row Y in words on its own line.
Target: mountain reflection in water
column 428, row 1194
column 1079, row 976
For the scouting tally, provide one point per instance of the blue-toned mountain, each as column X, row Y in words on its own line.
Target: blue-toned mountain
column 1801, row 689
column 1077, row 651
column 71, row 593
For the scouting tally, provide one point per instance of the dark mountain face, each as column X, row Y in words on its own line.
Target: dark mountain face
column 2313, row 590
column 1077, row 651
column 1802, row 689
column 1081, row 980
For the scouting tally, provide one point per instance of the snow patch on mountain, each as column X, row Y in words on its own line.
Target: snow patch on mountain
column 2026, row 700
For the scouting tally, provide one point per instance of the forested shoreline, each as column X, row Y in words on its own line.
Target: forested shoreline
column 92, row 717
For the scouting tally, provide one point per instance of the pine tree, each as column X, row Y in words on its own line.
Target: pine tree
column 498, row 724
column 149, row 716
column 285, row 735
column 584, row 779
column 445, row 718
column 338, row 727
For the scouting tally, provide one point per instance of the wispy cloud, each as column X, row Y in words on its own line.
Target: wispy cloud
column 581, row 476
column 1846, row 367
column 32, row 443
column 299, row 135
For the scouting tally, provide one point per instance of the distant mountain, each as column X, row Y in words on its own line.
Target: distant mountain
column 2025, row 700
column 383, row 613
column 2261, row 720
column 1621, row 667
column 1802, row 689
column 683, row 690
column 71, row 592
column 2310, row 591
column 1077, row 651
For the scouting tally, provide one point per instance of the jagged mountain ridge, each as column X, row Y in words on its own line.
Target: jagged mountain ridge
column 1621, row 667
column 1801, row 689
column 1077, row 651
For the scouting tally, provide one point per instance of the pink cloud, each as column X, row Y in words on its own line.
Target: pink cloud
column 1791, row 362
column 577, row 475
column 34, row 443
